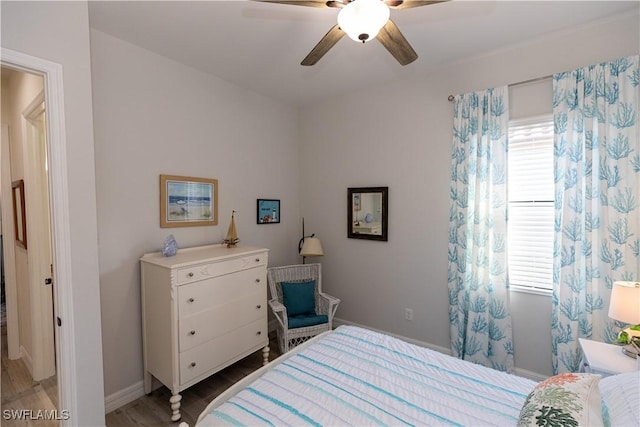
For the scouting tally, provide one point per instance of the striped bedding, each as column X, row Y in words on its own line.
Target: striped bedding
column 354, row 376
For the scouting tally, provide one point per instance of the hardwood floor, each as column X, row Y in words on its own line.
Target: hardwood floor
column 154, row 409
column 21, row 393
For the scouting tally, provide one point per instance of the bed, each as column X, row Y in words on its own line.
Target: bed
column 355, row 376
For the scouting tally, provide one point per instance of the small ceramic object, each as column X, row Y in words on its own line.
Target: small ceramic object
column 170, row 246
column 368, row 218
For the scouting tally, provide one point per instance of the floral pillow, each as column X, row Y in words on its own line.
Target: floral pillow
column 567, row 400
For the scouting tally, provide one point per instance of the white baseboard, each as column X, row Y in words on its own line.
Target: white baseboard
column 530, row 374
column 517, row 371
column 124, row 396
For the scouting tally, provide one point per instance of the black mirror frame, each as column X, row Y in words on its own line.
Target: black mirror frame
column 385, row 213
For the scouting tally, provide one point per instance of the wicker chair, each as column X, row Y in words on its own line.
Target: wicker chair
column 325, row 305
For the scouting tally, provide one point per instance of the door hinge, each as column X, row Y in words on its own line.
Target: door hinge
column 48, row 281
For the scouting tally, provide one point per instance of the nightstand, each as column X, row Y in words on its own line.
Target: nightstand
column 604, row 359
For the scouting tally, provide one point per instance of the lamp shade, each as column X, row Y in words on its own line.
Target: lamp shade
column 311, row 247
column 625, row 302
column 363, row 19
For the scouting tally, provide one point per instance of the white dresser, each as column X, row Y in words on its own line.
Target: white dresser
column 202, row 310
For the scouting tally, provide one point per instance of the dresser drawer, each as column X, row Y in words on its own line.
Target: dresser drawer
column 215, row 269
column 206, row 325
column 205, row 294
column 216, row 352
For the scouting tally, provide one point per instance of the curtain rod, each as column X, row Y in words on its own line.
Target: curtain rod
column 524, row 82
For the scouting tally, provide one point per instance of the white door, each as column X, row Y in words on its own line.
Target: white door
column 39, row 240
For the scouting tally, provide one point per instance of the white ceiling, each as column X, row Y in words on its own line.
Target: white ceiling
column 260, row 45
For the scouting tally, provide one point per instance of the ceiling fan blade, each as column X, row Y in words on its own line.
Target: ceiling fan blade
column 323, row 46
column 406, row 4
column 392, row 39
column 309, row 3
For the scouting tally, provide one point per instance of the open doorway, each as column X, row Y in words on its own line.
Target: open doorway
column 28, row 342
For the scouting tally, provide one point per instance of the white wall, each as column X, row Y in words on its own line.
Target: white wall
column 403, row 136
column 59, row 32
column 155, row 116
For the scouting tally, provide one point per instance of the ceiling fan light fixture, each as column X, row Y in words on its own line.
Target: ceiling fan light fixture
column 363, row 19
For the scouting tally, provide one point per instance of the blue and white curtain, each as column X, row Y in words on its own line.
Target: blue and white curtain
column 479, row 309
column 597, row 183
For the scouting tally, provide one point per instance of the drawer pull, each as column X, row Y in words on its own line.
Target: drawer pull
column 258, row 307
column 257, row 280
column 259, row 333
column 192, row 333
column 190, row 300
column 257, row 259
column 192, row 364
column 190, row 274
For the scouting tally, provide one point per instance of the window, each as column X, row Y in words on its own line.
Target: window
column 531, row 198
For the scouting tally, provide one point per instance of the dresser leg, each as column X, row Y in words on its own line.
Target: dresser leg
column 265, row 354
column 175, row 406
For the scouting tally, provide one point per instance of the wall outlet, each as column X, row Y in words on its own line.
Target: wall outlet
column 408, row 314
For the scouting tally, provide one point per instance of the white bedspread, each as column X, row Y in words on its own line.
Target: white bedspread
column 355, row 376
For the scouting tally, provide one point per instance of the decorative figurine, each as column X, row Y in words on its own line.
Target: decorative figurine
column 170, row 246
column 232, row 235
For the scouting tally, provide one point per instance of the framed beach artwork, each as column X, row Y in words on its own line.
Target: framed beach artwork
column 187, row 201
column 268, row 211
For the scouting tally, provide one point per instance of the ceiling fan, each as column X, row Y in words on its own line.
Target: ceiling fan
column 362, row 20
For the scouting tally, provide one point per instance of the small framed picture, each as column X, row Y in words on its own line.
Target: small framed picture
column 186, row 201
column 268, row 211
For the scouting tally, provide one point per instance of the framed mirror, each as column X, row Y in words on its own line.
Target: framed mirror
column 368, row 213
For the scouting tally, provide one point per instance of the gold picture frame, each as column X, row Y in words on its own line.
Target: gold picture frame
column 19, row 213
column 187, row 201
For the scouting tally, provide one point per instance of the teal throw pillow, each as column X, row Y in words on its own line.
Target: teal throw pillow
column 298, row 297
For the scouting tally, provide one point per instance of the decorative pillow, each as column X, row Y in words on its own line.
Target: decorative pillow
column 620, row 396
column 568, row 400
column 299, row 297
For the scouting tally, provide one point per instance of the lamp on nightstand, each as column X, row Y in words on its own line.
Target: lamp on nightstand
column 625, row 307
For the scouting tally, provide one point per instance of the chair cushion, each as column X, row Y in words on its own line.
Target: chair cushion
column 302, row 321
column 299, row 297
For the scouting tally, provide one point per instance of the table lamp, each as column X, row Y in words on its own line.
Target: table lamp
column 625, row 307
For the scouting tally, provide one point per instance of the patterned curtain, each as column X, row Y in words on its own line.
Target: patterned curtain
column 478, row 299
column 597, row 182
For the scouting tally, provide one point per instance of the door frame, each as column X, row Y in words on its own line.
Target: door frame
column 52, row 74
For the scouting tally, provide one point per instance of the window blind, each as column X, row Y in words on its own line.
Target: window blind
column 531, row 203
